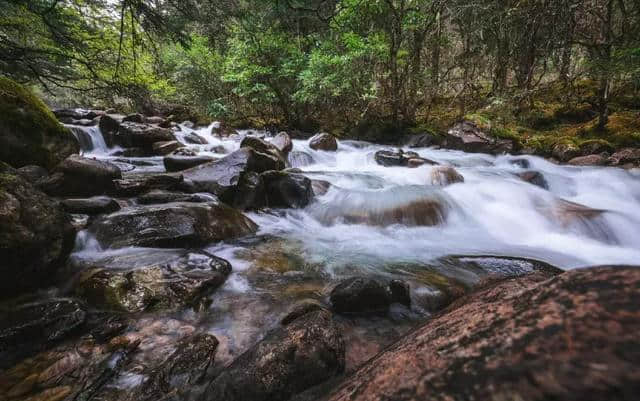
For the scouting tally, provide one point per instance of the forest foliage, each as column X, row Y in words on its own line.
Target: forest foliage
column 333, row 64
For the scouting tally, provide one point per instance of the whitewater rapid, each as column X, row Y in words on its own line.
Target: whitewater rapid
column 493, row 212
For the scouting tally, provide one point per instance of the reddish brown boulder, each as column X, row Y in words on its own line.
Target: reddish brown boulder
column 591, row 160
column 572, row 337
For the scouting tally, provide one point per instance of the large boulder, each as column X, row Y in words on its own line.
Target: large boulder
column 265, row 148
column 30, row 327
column 625, row 156
column 307, row 351
column 287, row 190
column 36, row 235
column 109, row 126
column 221, row 176
column 172, row 225
column 590, row 160
column 81, row 176
column 135, row 135
column 529, row 338
column 468, row 137
column 323, row 141
column 29, row 132
column 400, row 158
column 151, row 280
column 136, row 185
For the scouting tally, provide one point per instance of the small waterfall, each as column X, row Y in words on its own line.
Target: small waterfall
column 90, row 139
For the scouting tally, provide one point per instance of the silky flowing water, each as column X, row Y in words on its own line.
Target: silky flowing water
column 495, row 223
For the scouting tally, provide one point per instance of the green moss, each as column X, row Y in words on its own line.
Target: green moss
column 29, row 132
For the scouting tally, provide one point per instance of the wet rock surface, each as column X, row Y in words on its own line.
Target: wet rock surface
column 360, row 295
column 33, row 326
column 81, row 176
column 468, row 137
column 139, row 184
column 171, row 225
column 400, row 158
column 286, row 190
column 508, row 339
column 291, row 359
column 157, row 282
column 173, row 163
column 445, row 175
column 91, row 206
column 323, row 141
column 36, row 235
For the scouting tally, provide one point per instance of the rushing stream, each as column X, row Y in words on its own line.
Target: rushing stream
column 491, row 217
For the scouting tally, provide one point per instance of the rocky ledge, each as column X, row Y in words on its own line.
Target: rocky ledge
column 571, row 337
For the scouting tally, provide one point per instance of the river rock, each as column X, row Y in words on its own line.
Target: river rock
column 423, row 140
column 81, row 176
column 181, row 371
column 194, row 139
column 389, row 158
column 426, row 212
column 249, row 194
column 287, row 190
column 174, row 163
column 625, row 156
column 265, row 148
column 320, row 187
column 400, row 292
column 29, row 132
column 591, row 160
column 36, row 235
column 134, row 118
column 528, row 338
column 323, row 141
column 445, row 175
column 157, row 196
column 565, row 152
column 31, row 327
column 151, row 282
column 289, row 360
column 300, row 159
column 91, row 206
column 135, row 135
column 155, row 120
column 283, row 142
column 172, row 225
column 360, row 295
column 109, row 125
column 137, row 185
column 33, row 174
column 468, row 137
column 300, row 309
column 535, row 178
column 164, row 148
column 221, row 176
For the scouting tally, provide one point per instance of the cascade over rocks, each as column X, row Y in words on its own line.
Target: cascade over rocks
column 81, row 176
column 528, row 338
column 299, row 159
column 323, row 141
column 172, row 225
column 468, row 137
column 29, row 132
column 152, row 280
column 292, row 358
column 36, row 235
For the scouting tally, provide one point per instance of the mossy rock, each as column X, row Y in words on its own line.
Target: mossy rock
column 29, row 132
